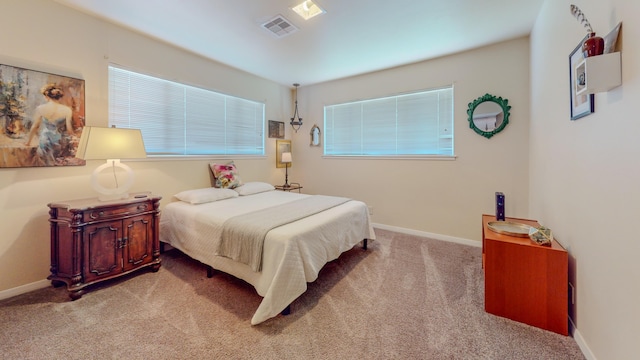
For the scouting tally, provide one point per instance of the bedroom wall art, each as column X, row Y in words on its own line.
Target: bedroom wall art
column 282, row 146
column 580, row 104
column 488, row 115
column 314, row 136
column 276, row 129
column 41, row 118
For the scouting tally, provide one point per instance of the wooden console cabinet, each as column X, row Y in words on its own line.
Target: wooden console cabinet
column 93, row 241
column 524, row 281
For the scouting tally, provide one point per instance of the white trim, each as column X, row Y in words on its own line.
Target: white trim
column 23, row 289
column 448, row 238
column 152, row 157
column 580, row 341
column 393, row 157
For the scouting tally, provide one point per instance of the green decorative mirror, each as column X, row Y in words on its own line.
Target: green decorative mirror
column 488, row 115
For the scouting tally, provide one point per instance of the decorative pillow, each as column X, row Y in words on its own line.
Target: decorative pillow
column 226, row 176
column 201, row 196
column 253, row 188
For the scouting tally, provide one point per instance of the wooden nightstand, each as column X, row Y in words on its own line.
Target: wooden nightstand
column 292, row 186
column 93, row 241
column 524, row 281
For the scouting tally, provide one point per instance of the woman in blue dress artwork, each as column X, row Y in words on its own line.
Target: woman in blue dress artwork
column 52, row 121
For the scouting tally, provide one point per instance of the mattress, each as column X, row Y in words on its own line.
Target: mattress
column 293, row 254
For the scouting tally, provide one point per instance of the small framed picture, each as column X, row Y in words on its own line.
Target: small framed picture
column 276, row 129
column 581, row 104
column 282, row 146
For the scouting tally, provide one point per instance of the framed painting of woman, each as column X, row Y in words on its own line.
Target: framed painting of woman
column 41, row 118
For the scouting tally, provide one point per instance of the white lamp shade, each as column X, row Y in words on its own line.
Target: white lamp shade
column 286, row 157
column 110, row 143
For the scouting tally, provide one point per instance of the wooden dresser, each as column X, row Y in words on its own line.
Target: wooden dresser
column 524, row 281
column 93, row 241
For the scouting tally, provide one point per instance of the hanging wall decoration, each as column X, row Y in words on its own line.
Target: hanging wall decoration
column 581, row 104
column 41, row 118
column 276, row 129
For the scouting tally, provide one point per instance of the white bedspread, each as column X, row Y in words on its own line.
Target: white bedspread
column 243, row 236
column 293, row 253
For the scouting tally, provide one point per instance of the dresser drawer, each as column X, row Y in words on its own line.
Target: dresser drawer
column 117, row 212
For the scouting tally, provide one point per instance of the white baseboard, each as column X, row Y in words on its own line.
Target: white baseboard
column 580, row 341
column 429, row 235
column 5, row 294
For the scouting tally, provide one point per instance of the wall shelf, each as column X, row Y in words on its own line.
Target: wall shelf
column 601, row 73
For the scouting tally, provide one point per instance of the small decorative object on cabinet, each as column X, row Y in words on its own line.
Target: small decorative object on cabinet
column 499, row 206
column 92, row 240
column 524, row 281
column 541, row 236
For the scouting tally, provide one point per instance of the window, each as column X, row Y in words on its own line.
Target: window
column 177, row 119
column 416, row 124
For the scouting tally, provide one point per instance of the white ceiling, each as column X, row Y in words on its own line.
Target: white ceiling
column 353, row 37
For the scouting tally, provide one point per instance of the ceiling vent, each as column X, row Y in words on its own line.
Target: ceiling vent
column 279, row 26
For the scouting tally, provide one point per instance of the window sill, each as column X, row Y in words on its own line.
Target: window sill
column 197, row 157
column 392, row 157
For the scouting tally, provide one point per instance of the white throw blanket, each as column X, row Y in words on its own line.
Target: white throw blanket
column 243, row 236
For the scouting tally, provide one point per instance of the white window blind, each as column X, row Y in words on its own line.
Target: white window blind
column 178, row 119
column 416, row 124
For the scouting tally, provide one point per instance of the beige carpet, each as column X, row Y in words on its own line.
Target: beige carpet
column 405, row 298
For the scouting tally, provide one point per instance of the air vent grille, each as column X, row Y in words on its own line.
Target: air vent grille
column 279, row 26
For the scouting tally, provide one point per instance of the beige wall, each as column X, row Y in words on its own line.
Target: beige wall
column 434, row 196
column 46, row 36
column 585, row 174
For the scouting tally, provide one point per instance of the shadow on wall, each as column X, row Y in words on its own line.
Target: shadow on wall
column 33, row 241
column 573, row 271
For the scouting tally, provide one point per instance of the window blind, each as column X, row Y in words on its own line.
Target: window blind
column 178, row 119
column 416, row 124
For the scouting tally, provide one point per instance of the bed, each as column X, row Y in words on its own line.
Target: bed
column 292, row 254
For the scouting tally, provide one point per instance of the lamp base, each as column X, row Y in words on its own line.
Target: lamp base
column 119, row 192
column 286, row 176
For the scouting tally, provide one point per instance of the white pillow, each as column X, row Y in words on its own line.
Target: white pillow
column 253, row 188
column 205, row 195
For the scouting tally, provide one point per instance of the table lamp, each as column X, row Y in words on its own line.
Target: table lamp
column 286, row 159
column 112, row 144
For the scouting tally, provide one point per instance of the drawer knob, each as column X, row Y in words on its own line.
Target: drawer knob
column 100, row 214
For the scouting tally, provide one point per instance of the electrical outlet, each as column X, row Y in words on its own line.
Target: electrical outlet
column 572, row 294
column 370, row 210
